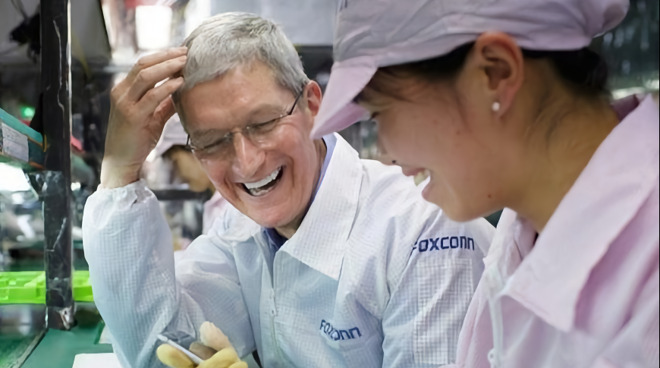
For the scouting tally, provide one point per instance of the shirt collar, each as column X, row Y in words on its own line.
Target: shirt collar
column 274, row 238
column 330, row 143
column 322, row 236
column 623, row 170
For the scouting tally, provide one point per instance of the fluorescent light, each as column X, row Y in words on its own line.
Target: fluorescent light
column 624, row 92
column 153, row 26
column 13, row 179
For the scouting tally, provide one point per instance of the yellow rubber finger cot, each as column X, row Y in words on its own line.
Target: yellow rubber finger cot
column 240, row 364
column 213, row 337
column 225, row 358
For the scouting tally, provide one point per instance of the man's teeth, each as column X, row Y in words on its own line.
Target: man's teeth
column 264, row 181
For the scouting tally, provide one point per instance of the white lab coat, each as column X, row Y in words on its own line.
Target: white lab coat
column 214, row 208
column 374, row 277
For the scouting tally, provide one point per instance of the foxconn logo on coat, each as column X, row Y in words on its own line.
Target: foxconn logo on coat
column 337, row 334
column 444, row 243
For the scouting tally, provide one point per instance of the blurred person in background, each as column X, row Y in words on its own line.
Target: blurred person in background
column 172, row 148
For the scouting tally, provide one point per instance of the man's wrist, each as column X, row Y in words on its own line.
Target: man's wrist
column 117, row 177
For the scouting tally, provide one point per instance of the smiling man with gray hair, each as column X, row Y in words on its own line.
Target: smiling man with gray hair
column 325, row 260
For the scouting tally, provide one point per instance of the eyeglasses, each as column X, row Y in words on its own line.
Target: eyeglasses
column 257, row 133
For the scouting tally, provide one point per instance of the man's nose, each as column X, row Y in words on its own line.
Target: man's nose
column 248, row 156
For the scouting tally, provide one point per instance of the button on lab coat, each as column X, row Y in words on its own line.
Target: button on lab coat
column 586, row 293
column 374, row 277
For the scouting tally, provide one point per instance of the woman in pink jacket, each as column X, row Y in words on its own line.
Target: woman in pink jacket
column 503, row 105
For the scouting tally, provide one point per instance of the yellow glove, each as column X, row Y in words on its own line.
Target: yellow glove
column 215, row 349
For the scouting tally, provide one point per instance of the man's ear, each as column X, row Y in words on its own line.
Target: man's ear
column 313, row 95
column 502, row 62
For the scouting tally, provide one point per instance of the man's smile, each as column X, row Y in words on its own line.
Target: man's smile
column 263, row 186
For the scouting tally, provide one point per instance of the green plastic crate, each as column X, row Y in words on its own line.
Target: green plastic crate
column 29, row 287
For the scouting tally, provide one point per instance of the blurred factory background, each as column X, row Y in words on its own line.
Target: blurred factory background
column 107, row 37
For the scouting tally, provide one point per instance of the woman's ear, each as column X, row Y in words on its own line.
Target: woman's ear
column 499, row 57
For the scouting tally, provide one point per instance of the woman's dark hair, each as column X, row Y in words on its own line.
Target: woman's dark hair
column 435, row 69
column 583, row 69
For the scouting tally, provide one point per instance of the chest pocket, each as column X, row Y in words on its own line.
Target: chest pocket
column 560, row 349
column 308, row 345
column 355, row 347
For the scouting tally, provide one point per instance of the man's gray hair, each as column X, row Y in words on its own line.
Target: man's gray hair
column 228, row 40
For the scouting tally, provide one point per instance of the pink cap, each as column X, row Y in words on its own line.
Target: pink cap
column 375, row 33
column 173, row 135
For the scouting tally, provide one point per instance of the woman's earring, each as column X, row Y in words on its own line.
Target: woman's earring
column 496, row 106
